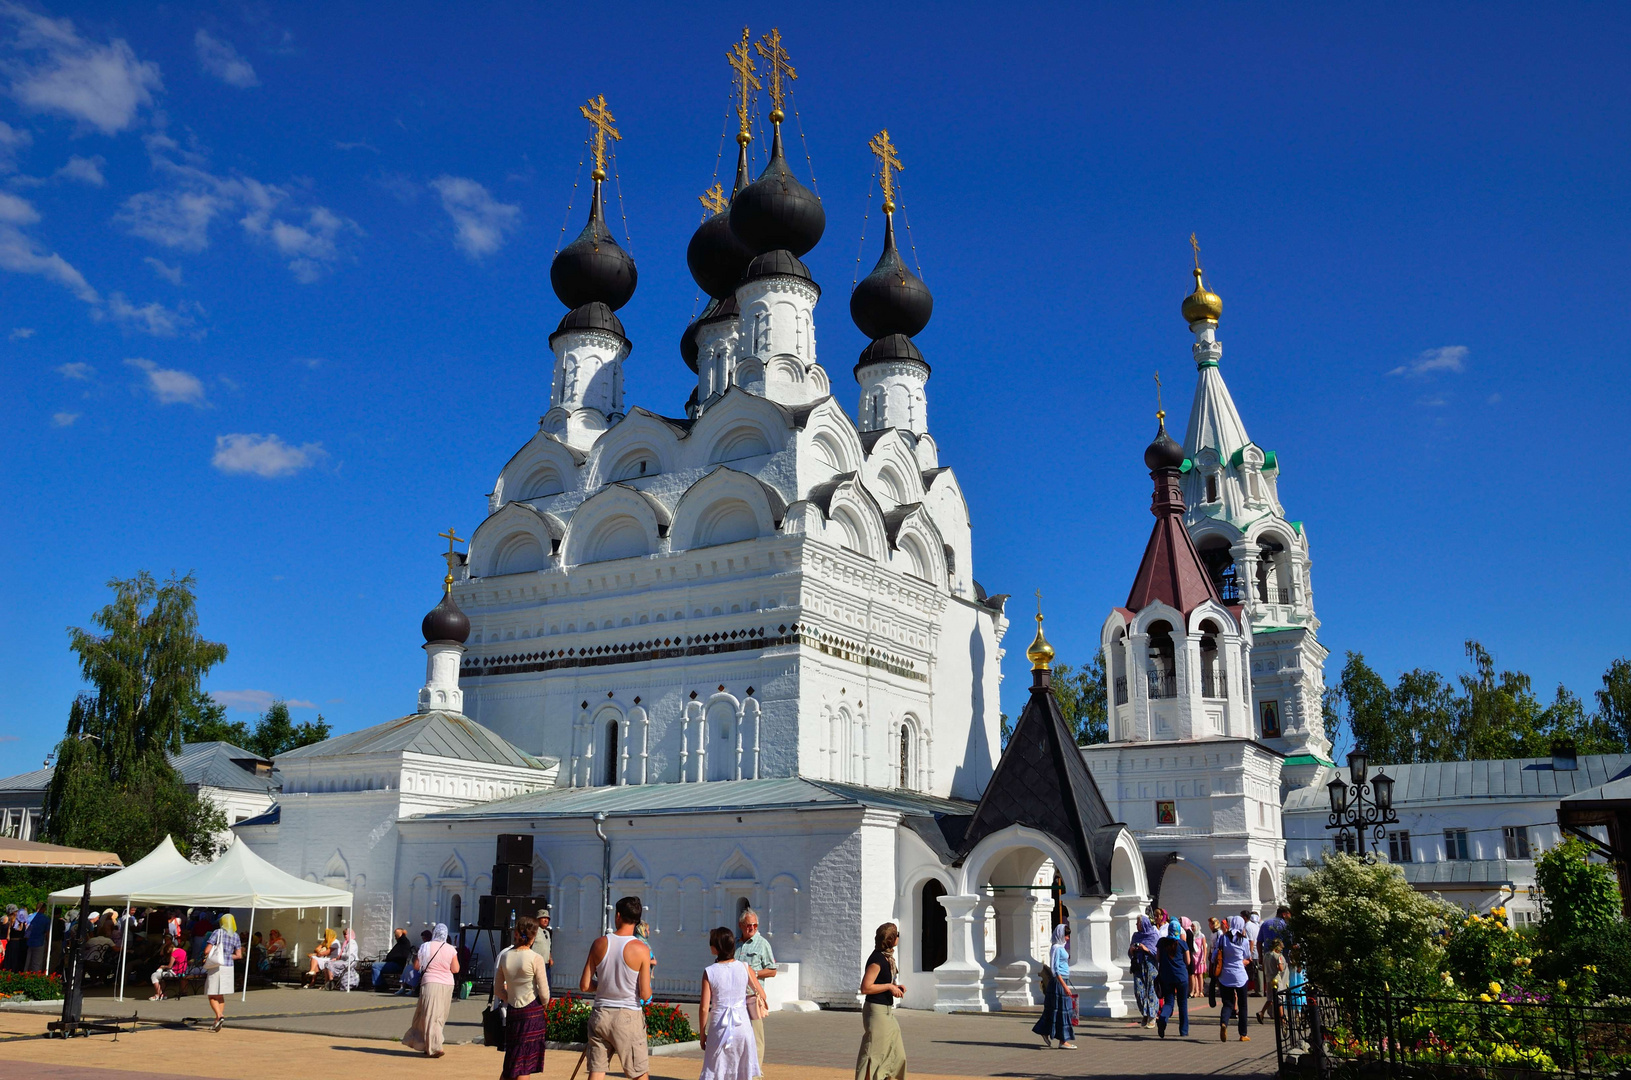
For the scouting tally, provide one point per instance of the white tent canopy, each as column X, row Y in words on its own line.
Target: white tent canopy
column 163, row 863
column 241, row 879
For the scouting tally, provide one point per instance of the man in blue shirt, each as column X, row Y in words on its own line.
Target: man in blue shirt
column 1275, row 929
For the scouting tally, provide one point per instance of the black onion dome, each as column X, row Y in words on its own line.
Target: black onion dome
column 778, row 263
column 593, row 267
column 1163, row 453
column 688, row 341
column 891, row 299
column 890, row 349
column 591, row 316
column 716, row 257
column 446, row 622
column 776, row 211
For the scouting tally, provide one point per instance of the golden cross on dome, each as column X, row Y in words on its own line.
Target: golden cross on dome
column 888, row 163
column 1039, row 605
column 1196, row 244
column 601, row 118
column 740, row 58
column 770, row 47
column 1160, row 412
column 452, row 537
column 714, row 198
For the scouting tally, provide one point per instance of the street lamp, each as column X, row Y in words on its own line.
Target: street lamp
column 1366, row 804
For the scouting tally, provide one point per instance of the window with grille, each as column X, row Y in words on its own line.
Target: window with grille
column 1347, row 843
column 1455, row 845
column 1517, row 841
column 1398, row 846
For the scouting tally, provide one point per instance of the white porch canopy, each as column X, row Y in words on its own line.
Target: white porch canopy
column 241, row 879
column 163, row 863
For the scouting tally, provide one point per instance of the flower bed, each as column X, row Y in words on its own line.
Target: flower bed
column 30, row 986
column 568, row 1020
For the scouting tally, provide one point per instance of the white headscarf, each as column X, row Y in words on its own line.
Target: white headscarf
column 439, row 933
column 1060, row 933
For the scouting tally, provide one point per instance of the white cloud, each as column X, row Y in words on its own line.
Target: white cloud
column 263, row 455
column 85, row 170
column 310, row 248
column 22, row 333
column 220, row 59
column 170, row 386
column 359, row 145
column 64, row 419
column 1444, row 358
column 169, row 273
column 255, row 700
column 21, row 255
column 480, row 221
column 175, row 219
column 11, row 141
column 102, row 86
column 153, row 318
column 78, row 371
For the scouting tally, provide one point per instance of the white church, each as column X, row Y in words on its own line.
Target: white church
column 739, row 657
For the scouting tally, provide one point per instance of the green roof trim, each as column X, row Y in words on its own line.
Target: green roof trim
column 1307, row 759
column 1270, row 461
column 1297, row 525
column 1240, row 455
column 1206, row 364
column 1186, row 466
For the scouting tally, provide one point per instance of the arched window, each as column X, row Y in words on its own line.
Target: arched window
column 1269, row 583
column 906, row 756
column 609, row 770
column 455, row 912
column 931, row 921
column 1163, row 663
column 1220, row 566
column 1214, row 684
column 1211, row 487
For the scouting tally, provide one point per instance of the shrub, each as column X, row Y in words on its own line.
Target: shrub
column 1483, row 949
column 667, row 1024
column 1360, row 926
column 1580, row 911
column 568, row 1022
column 30, row 985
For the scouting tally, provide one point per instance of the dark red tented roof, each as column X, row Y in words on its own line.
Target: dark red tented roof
column 1172, row 571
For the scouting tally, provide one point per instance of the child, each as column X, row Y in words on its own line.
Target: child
column 729, row 1050
column 1274, row 969
column 175, row 966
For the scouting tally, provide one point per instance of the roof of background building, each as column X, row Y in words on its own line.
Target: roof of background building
column 436, row 733
column 1487, row 872
column 719, row 796
column 28, row 781
column 222, row 765
column 1459, row 781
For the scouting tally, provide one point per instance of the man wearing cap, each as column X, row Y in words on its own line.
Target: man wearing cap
column 540, row 942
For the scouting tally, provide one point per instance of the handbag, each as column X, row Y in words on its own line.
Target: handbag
column 493, row 1026
column 212, row 958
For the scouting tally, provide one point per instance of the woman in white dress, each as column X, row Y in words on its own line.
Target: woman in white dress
column 729, row 1051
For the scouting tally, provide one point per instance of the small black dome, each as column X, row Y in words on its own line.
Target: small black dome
column 776, row 211
column 778, row 263
column 593, row 267
column 446, row 623
column 716, row 257
column 688, row 341
column 1163, row 453
column 890, row 349
column 591, row 316
column 891, row 299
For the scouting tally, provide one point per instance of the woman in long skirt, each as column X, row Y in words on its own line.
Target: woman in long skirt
column 521, row 981
column 1142, row 954
column 729, row 1049
column 883, row 1054
column 437, row 963
column 1058, row 999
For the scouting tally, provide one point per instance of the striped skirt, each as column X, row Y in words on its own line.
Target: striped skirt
column 524, row 1031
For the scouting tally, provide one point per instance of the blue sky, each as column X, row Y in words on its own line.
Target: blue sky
column 274, row 298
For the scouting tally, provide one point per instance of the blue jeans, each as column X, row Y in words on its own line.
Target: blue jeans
column 382, row 968
column 1234, row 1002
column 410, row 978
column 1171, row 993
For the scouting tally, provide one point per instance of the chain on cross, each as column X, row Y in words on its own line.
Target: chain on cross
column 601, row 118
column 714, row 198
column 740, row 57
column 770, row 47
column 452, row 537
column 888, row 165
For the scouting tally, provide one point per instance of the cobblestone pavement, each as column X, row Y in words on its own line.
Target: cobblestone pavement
column 302, row 1034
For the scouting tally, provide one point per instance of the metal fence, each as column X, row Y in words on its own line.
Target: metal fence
column 1322, row 1035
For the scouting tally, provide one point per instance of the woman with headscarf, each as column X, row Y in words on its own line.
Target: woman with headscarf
column 320, row 957
column 222, row 946
column 436, row 963
column 883, row 1054
column 1142, row 954
column 1234, row 949
column 1195, row 942
column 1172, row 978
column 1058, row 999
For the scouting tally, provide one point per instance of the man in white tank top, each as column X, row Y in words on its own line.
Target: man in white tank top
column 618, row 972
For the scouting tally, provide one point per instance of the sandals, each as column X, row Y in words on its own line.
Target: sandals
column 219, row 1020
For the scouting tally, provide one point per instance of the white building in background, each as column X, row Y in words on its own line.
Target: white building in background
column 1468, row 830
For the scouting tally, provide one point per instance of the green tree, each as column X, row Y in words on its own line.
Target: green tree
column 113, row 788
column 1614, row 704
column 1081, row 697
column 205, row 720
column 1580, row 904
column 1360, row 926
column 275, row 733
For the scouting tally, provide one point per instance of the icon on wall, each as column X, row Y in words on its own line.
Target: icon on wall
column 1166, row 812
column 1269, row 711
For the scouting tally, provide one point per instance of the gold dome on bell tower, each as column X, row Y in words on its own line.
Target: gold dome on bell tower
column 1202, row 305
column 1039, row 652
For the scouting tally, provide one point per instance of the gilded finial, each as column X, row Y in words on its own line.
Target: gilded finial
column 740, row 58
column 1039, row 653
column 888, row 165
column 770, row 47
column 1202, row 305
column 601, row 119
column 1160, row 410
column 714, row 198
column 452, row 537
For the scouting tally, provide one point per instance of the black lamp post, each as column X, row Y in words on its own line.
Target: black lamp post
column 1365, row 804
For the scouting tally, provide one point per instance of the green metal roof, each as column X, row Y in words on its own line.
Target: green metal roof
column 719, row 796
column 1307, row 759
column 436, row 733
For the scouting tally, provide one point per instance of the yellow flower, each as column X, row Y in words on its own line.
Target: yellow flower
column 1483, row 997
column 1495, row 988
column 1592, row 968
column 1561, row 985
